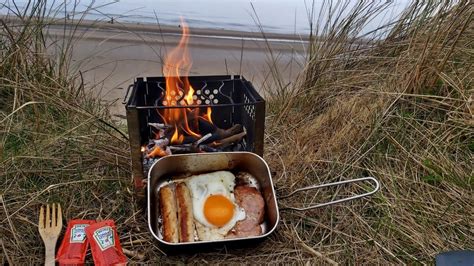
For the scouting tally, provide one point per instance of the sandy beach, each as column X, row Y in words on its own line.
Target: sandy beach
column 111, row 56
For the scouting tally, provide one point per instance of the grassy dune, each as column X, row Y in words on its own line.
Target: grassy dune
column 399, row 108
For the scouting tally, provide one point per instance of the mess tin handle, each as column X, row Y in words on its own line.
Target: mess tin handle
column 377, row 186
column 126, row 94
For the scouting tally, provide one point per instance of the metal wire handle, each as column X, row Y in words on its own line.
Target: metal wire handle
column 377, row 186
column 125, row 98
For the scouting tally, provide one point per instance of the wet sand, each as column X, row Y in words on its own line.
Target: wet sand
column 110, row 57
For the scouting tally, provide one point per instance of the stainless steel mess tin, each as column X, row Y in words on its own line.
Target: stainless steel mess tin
column 175, row 167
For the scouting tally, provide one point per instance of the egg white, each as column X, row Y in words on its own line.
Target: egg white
column 201, row 187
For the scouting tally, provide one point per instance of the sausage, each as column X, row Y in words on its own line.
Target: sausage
column 169, row 214
column 185, row 213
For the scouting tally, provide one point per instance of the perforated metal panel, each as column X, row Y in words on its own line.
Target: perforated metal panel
column 233, row 99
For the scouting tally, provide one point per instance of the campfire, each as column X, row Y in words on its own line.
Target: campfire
column 188, row 129
column 179, row 113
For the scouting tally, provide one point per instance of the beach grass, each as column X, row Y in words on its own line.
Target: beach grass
column 399, row 108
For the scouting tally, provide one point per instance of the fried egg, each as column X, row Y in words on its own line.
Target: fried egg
column 214, row 207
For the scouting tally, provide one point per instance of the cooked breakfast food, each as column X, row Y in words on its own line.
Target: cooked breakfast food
column 214, row 206
column 211, row 207
column 250, row 199
column 185, row 213
column 169, row 214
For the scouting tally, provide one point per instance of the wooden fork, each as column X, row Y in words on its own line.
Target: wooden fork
column 49, row 228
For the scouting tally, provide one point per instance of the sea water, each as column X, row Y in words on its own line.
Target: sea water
column 278, row 16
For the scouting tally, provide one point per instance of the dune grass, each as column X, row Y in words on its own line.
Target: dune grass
column 399, row 108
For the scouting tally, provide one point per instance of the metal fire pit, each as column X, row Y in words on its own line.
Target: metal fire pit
column 233, row 100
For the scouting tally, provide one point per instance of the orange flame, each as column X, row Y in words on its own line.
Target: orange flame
column 208, row 115
column 177, row 66
column 177, row 138
column 189, row 97
column 176, row 69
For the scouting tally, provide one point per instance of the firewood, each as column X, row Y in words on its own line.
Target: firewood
column 206, row 126
column 190, row 139
column 220, row 134
column 160, row 126
column 206, row 148
column 163, row 142
column 213, row 137
column 203, row 139
column 225, row 133
column 186, row 148
column 232, row 139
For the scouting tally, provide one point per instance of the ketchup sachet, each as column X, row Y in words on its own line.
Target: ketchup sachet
column 74, row 245
column 105, row 244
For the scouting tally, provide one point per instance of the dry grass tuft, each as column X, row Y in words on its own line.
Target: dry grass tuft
column 57, row 142
column 398, row 108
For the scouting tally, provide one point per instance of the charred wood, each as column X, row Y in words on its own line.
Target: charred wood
column 230, row 140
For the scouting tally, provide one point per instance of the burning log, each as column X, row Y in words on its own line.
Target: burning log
column 203, row 139
column 160, row 126
column 225, row 133
column 230, row 140
column 182, row 140
column 161, row 142
column 185, row 136
column 207, row 148
column 206, row 126
column 185, row 148
column 211, row 142
column 163, row 129
column 189, row 140
column 221, row 134
column 194, row 147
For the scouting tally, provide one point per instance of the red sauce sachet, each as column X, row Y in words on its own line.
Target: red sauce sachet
column 74, row 245
column 105, row 244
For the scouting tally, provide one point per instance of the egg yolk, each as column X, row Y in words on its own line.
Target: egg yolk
column 218, row 210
